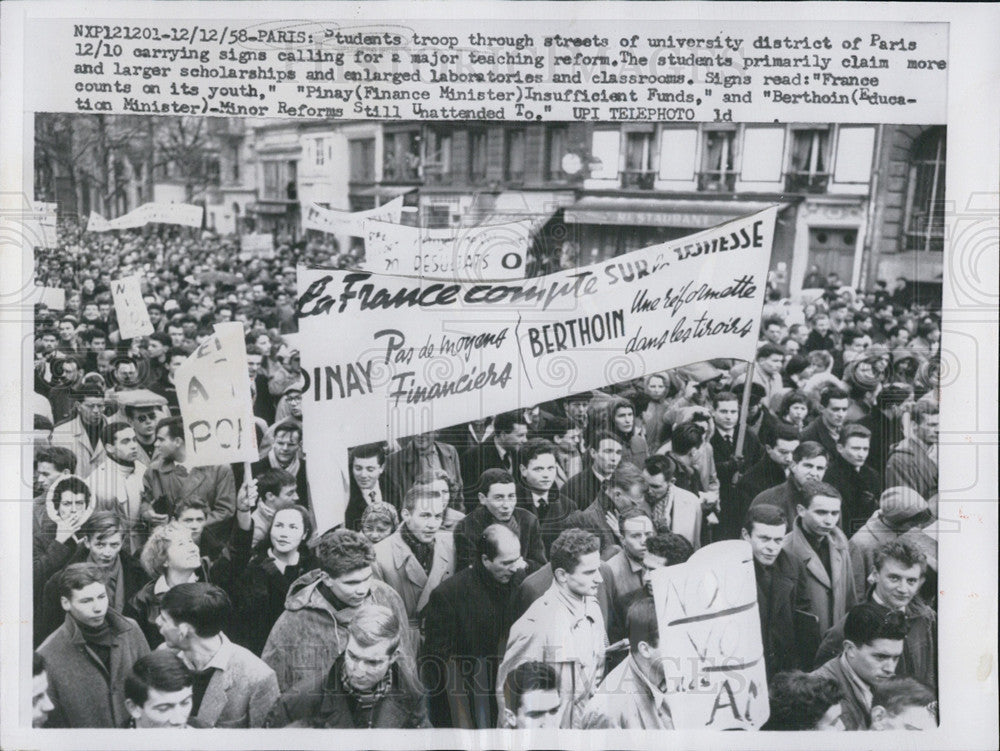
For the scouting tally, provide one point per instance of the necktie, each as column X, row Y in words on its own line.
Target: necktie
column 371, row 497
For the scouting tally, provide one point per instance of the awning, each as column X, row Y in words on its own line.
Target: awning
column 275, row 208
column 385, row 192
column 515, row 205
column 659, row 212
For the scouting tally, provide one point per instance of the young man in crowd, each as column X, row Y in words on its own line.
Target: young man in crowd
column 373, row 684
column 808, row 465
column 144, row 417
column 726, row 415
column 310, row 635
column 116, row 484
column 419, row 555
column 885, row 422
column 285, row 454
column 903, row 704
column 623, row 491
column 367, row 484
column 565, row 625
column 605, row 453
column 533, row 700
column 894, row 586
column 859, row 484
column 159, row 692
column 673, row 508
column 510, row 432
column 913, row 461
column 232, row 687
column 622, row 573
column 635, row 695
column 685, row 450
column 818, row 544
column 873, row 643
column 825, row 429
column 770, row 471
column 537, row 491
column 82, row 433
column 168, row 480
column 566, row 437
column 498, row 505
column 468, row 617
column 89, row 656
column 781, row 601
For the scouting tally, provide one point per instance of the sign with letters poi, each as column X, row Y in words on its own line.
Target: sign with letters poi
column 213, row 389
column 336, row 222
column 709, row 627
column 493, row 251
column 390, row 356
column 184, row 214
column 130, row 308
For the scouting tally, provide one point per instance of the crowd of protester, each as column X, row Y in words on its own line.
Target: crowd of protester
column 495, row 573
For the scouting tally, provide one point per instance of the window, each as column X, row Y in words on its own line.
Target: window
column 437, row 156
column 477, row 155
column 236, row 164
column 556, row 145
column 925, row 193
column 362, row 159
column 273, row 180
column 639, row 172
column 320, row 152
column 513, row 158
column 401, row 156
column 808, row 168
column 718, row 161
column 291, row 182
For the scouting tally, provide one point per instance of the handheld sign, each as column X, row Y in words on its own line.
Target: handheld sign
column 184, row 214
column 133, row 318
column 709, row 626
column 385, row 356
column 213, row 389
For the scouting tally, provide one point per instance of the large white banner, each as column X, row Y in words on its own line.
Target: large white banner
column 133, row 317
column 390, row 356
column 352, row 223
column 184, row 214
column 213, row 389
column 709, row 625
column 493, row 252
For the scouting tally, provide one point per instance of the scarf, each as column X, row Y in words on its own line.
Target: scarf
column 120, row 463
column 100, row 640
column 365, row 701
column 422, row 551
column 293, row 465
column 663, row 511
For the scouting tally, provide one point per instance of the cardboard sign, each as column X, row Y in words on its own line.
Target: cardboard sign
column 390, row 356
column 351, row 223
column 709, row 627
column 213, row 389
column 184, row 214
column 133, row 318
column 54, row 298
column 493, row 252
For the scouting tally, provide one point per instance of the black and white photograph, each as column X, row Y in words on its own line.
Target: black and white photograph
column 615, row 424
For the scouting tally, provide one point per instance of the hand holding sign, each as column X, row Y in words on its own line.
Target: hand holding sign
column 133, row 318
column 213, row 388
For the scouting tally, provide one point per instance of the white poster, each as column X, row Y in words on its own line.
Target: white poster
column 213, row 388
column 352, row 223
column 184, row 214
column 710, row 628
column 133, row 318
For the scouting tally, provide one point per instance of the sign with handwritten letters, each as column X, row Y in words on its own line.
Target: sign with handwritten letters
column 184, row 214
column 493, row 252
column 336, row 222
column 389, row 356
column 133, row 318
column 709, row 628
column 213, row 389
column 256, row 245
